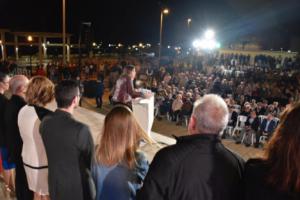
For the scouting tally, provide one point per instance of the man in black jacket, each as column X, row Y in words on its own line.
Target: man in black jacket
column 14, row 141
column 7, row 167
column 4, row 85
column 198, row 166
column 69, row 147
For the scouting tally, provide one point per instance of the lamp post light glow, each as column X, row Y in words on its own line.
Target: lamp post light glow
column 166, row 11
column 29, row 38
column 189, row 21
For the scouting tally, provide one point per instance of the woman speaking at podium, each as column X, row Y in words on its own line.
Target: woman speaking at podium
column 124, row 90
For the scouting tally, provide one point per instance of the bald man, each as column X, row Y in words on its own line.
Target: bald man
column 199, row 166
column 17, row 85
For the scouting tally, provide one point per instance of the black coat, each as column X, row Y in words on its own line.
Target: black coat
column 13, row 138
column 3, row 103
column 197, row 167
column 256, row 187
column 69, row 147
column 254, row 125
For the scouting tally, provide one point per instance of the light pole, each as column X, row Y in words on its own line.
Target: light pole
column 2, row 50
column 64, row 31
column 89, row 24
column 162, row 13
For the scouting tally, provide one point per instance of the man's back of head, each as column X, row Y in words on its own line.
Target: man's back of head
column 67, row 94
column 210, row 115
column 198, row 166
column 18, row 85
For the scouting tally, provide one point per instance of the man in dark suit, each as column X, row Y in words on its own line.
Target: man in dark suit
column 198, row 166
column 17, row 86
column 267, row 126
column 69, row 147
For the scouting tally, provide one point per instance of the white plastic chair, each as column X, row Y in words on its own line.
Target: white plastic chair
column 228, row 130
column 276, row 120
column 261, row 118
column 264, row 137
column 240, row 124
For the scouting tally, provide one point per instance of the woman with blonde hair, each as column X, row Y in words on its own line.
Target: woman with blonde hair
column 120, row 168
column 39, row 94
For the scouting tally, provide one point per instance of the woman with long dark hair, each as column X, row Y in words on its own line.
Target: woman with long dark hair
column 277, row 175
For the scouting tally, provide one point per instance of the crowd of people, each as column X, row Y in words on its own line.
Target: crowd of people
column 55, row 156
column 261, row 89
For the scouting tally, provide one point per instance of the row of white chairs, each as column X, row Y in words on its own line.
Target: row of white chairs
column 240, row 126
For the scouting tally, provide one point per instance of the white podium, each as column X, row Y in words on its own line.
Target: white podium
column 143, row 110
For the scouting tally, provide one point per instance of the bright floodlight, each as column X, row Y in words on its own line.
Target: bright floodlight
column 206, row 44
column 197, row 44
column 209, row 34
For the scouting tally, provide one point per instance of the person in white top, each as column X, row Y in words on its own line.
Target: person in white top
column 40, row 92
column 176, row 107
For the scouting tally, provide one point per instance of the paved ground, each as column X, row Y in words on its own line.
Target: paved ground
column 166, row 129
column 162, row 133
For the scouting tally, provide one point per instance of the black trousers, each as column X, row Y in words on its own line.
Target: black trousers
column 22, row 189
column 99, row 101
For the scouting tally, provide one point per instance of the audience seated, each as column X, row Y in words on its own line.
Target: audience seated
column 176, row 107
column 251, row 128
column 266, row 127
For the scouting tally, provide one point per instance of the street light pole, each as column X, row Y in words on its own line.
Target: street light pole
column 165, row 11
column 30, row 39
column 64, row 31
column 82, row 24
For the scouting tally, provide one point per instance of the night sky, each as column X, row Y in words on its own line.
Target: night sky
column 129, row 21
